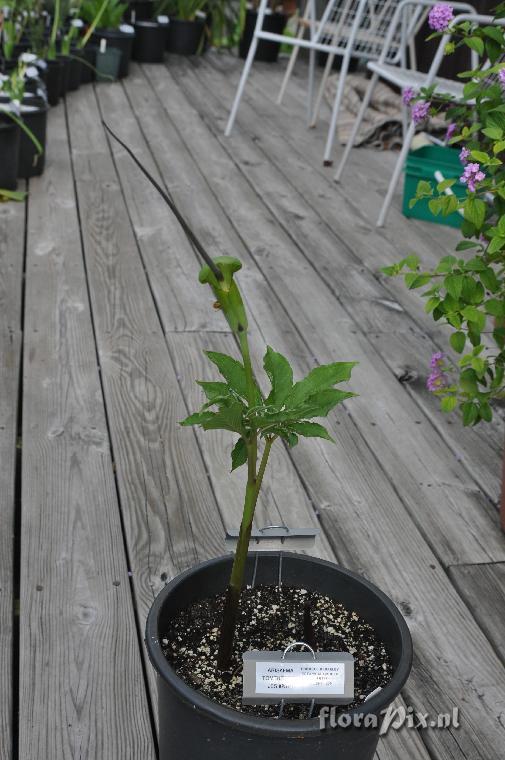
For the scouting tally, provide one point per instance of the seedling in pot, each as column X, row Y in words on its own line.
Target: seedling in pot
column 237, row 404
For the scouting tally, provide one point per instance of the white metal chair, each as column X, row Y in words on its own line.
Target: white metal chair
column 403, row 77
column 366, row 45
column 349, row 28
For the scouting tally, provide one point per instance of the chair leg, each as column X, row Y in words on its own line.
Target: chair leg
column 396, row 174
column 242, row 83
column 356, row 126
column 293, row 56
column 327, row 161
column 322, row 87
column 310, row 90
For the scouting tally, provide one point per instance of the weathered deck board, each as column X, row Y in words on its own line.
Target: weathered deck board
column 432, row 481
column 311, row 285
column 417, row 560
column 12, row 220
column 483, row 588
column 285, row 487
column 170, row 514
column 385, row 308
column 81, row 681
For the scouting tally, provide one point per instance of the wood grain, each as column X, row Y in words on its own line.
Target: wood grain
column 169, row 511
column 12, row 217
column 389, row 307
column 430, row 478
column 483, row 589
column 360, row 502
column 81, row 682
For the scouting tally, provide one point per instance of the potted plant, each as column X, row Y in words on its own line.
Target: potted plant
column 111, row 28
column 275, row 21
column 22, row 130
column 204, row 620
column 466, row 290
column 150, row 40
column 186, row 30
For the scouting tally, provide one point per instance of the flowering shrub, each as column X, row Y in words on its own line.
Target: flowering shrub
column 466, row 291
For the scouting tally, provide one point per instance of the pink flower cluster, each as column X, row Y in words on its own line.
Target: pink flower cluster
column 420, row 111
column 408, row 95
column 440, row 17
column 437, row 379
column 450, row 131
column 464, row 155
column 471, row 175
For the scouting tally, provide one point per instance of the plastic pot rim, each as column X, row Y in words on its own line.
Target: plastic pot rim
column 256, row 724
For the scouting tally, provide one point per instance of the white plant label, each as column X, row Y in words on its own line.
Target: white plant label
column 310, row 678
column 325, row 677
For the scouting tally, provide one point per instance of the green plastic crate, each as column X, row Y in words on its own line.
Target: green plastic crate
column 422, row 164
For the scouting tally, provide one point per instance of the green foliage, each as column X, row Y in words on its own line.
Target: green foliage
column 106, row 15
column 466, row 291
column 287, row 410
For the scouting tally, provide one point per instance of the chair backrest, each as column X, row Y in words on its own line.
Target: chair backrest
column 364, row 25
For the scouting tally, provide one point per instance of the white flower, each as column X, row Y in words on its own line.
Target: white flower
column 28, row 57
column 78, row 23
column 31, row 72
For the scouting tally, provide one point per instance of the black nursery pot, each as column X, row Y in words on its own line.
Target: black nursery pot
column 88, row 63
column 149, row 44
column 64, row 61
column 193, row 726
column 9, row 153
column 34, row 113
column 52, row 76
column 139, row 10
column 122, row 41
column 267, row 50
column 185, row 37
column 74, row 69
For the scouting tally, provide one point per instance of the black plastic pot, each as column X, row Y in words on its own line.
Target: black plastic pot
column 65, row 73
column 52, row 76
column 267, row 50
column 185, row 37
column 123, row 41
column 139, row 10
column 9, row 153
column 150, row 40
column 193, row 726
column 34, row 113
column 75, row 69
column 88, row 63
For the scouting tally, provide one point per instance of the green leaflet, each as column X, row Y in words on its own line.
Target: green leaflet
column 238, row 454
column 311, row 430
column 213, row 390
column 280, row 375
column 232, row 371
column 319, row 379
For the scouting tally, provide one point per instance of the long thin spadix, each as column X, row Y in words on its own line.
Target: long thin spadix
column 173, row 208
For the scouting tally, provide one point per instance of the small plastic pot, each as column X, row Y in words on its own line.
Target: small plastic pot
column 64, row 61
column 52, row 76
column 107, row 64
column 185, row 37
column 122, row 41
column 267, row 50
column 150, row 40
column 9, row 153
column 139, row 10
column 75, row 69
column 193, row 726
column 88, row 63
column 34, row 113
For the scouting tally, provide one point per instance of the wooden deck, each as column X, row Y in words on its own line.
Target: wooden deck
column 103, row 498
